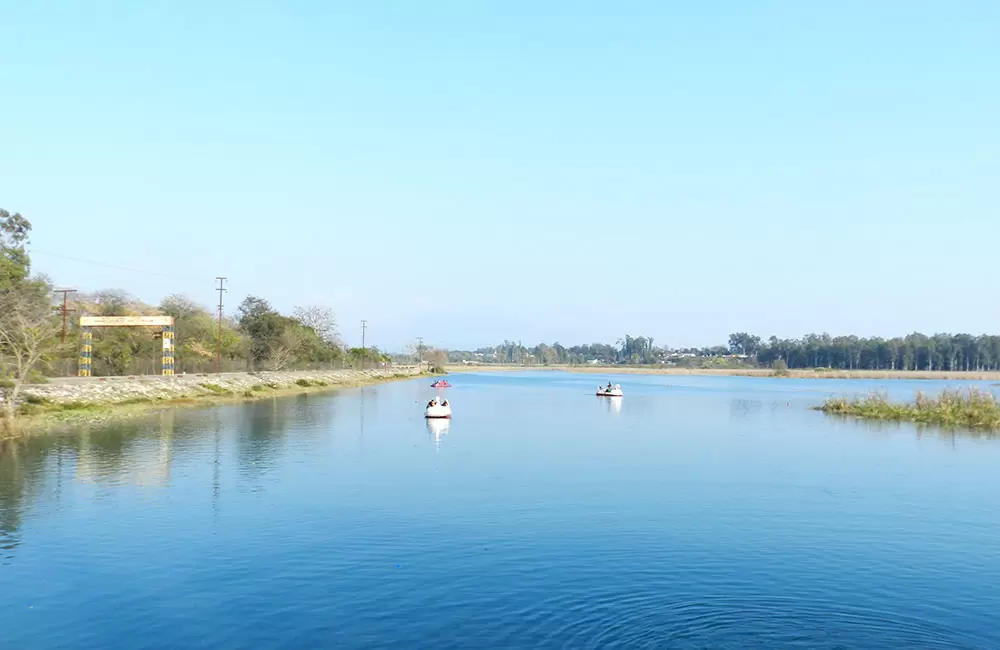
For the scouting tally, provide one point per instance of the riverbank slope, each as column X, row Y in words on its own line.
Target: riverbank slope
column 98, row 398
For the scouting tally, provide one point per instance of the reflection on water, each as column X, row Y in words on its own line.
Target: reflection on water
column 920, row 430
column 138, row 460
column 141, row 453
column 614, row 404
column 19, row 482
column 261, row 431
column 438, row 428
column 744, row 408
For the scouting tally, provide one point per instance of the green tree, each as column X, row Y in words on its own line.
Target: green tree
column 197, row 335
column 743, row 343
column 262, row 325
column 15, row 265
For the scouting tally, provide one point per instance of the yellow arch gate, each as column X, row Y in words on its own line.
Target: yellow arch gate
column 86, row 361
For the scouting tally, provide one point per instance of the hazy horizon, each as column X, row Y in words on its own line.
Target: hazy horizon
column 557, row 172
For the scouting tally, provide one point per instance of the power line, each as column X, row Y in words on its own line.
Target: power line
column 104, row 264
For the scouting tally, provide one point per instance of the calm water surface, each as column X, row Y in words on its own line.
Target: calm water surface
column 696, row 512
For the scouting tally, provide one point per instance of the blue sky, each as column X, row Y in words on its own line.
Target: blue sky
column 474, row 171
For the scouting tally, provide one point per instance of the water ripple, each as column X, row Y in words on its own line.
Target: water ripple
column 647, row 619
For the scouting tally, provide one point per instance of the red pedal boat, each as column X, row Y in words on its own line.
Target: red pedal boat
column 441, row 383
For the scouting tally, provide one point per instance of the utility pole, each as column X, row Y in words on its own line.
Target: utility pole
column 64, row 292
column 364, row 353
column 218, row 350
column 420, row 350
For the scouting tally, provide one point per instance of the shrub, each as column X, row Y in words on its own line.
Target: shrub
column 35, row 377
column 215, row 388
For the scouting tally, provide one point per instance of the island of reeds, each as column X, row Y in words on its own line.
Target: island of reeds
column 972, row 409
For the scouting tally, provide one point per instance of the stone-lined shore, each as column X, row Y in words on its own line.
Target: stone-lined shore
column 99, row 398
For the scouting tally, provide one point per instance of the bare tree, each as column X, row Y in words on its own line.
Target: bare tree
column 436, row 357
column 282, row 351
column 28, row 336
column 319, row 319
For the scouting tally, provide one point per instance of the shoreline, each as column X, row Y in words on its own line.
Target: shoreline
column 71, row 401
column 940, row 375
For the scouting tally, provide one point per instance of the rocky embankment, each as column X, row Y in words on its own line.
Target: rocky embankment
column 132, row 390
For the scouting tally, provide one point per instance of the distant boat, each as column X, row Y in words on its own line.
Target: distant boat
column 438, row 411
column 614, row 392
column 441, row 383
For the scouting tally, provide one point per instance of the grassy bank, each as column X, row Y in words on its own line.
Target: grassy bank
column 816, row 373
column 49, row 407
column 972, row 409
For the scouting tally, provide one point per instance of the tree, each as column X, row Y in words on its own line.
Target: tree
column 319, row 319
column 370, row 355
column 15, row 264
column 261, row 324
column 197, row 335
column 28, row 325
column 436, row 357
column 284, row 349
column 181, row 307
column 745, row 344
column 29, row 332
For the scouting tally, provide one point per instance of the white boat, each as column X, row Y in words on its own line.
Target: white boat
column 438, row 410
column 614, row 392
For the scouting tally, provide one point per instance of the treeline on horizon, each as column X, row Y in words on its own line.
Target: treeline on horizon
column 257, row 338
column 950, row 352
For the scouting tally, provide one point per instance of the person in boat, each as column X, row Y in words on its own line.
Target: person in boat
column 609, row 387
column 431, row 403
column 444, row 403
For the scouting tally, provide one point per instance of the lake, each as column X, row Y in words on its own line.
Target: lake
column 696, row 512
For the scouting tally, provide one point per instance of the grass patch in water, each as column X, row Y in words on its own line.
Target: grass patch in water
column 973, row 408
